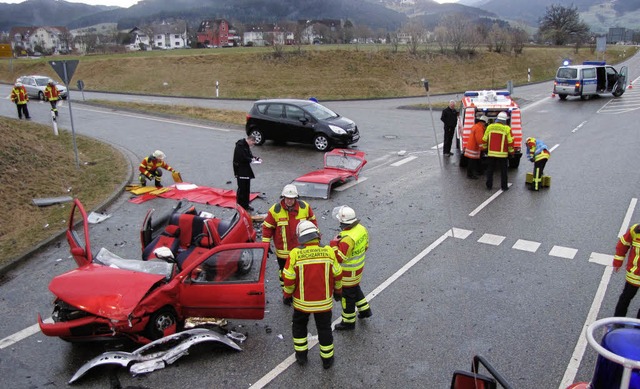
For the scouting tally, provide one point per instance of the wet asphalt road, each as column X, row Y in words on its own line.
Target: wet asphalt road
column 438, row 300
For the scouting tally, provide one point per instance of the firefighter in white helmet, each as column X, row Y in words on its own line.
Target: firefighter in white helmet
column 498, row 142
column 150, row 168
column 350, row 246
column 281, row 222
column 311, row 275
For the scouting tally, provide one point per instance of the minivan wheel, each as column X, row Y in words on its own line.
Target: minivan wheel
column 41, row 96
column 321, row 142
column 562, row 97
column 259, row 135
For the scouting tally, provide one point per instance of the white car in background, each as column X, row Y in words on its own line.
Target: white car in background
column 35, row 86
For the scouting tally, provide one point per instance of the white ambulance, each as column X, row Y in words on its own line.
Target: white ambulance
column 490, row 103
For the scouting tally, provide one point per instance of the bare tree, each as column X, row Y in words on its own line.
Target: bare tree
column 441, row 37
column 415, row 31
column 498, row 38
column 457, row 29
column 518, row 38
column 560, row 24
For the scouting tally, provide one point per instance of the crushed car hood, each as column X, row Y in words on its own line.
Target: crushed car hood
column 103, row 291
column 325, row 176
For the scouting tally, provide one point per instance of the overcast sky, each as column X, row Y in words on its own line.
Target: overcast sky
column 129, row 3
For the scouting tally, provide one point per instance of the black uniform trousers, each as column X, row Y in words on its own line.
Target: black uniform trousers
column 502, row 164
column 244, row 188
column 22, row 109
column 323, row 325
column 628, row 293
column 448, row 139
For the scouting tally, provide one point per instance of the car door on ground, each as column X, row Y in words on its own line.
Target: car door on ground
column 298, row 124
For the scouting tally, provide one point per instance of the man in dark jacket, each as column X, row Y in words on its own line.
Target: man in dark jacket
column 450, row 119
column 242, row 159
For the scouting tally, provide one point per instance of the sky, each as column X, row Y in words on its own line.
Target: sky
column 129, row 3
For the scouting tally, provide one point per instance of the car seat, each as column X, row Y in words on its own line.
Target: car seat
column 170, row 238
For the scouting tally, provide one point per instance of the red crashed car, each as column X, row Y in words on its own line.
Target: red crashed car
column 208, row 267
column 340, row 166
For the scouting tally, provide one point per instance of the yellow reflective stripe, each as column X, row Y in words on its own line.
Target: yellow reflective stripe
column 316, row 306
column 268, row 225
column 326, row 351
column 633, row 279
column 353, row 263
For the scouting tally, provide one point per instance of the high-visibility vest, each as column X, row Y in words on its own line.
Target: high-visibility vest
column 311, row 276
column 537, row 151
column 52, row 93
column 281, row 225
column 630, row 239
column 357, row 241
column 497, row 140
column 19, row 95
column 151, row 164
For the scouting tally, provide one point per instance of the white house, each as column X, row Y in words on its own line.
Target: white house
column 169, row 35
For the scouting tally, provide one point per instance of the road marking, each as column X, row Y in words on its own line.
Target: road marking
column 488, row 201
column 22, row 334
column 491, row 239
column 350, row 184
column 602, row 259
column 578, row 351
column 186, row 124
column 403, row 161
column 579, row 126
column 526, row 245
column 563, row 252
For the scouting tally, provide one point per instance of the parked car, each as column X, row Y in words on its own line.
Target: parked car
column 589, row 79
column 198, row 266
column 35, row 86
column 300, row 121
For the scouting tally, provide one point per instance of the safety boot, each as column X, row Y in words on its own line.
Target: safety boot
column 342, row 326
column 365, row 314
column 327, row 362
column 301, row 357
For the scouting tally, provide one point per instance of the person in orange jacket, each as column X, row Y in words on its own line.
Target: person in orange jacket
column 630, row 238
column 20, row 98
column 472, row 149
column 53, row 95
column 311, row 275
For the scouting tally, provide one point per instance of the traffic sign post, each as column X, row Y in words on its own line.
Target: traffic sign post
column 65, row 70
column 81, row 88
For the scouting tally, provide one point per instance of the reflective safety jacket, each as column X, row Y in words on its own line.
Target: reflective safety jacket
column 630, row 239
column 497, row 140
column 280, row 224
column 52, row 93
column 312, row 275
column 150, row 164
column 472, row 149
column 19, row 95
column 537, row 151
column 350, row 246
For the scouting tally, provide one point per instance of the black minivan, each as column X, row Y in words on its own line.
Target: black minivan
column 300, row 121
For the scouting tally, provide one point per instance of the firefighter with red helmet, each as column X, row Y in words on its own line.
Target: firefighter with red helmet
column 498, row 142
column 350, row 246
column 630, row 238
column 538, row 153
column 281, row 222
column 472, row 148
column 311, row 275
column 52, row 94
column 150, row 168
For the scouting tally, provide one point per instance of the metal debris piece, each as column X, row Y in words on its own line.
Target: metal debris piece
column 95, row 218
column 237, row 336
column 45, row 202
column 192, row 322
column 157, row 354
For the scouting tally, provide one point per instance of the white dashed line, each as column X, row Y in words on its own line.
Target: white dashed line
column 22, row 334
column 602, row 259
column 563, row 252
column 526, row 245
column 403, row 161
column 491, row 239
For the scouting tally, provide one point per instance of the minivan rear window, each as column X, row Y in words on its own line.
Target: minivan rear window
column 567, row 73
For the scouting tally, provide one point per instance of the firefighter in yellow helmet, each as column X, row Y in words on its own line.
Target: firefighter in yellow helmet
column 150, row 168
column 350, row 246
column 311, row 275
column 281, row 222
column 538, row 153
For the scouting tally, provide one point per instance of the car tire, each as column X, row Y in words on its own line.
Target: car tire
column 41, row 96
column 562, row 96
column 259, row 135
column 159, row 321
column 321, row 142
column 245, row 263
column 618, row 92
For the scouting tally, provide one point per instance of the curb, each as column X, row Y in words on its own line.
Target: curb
column 23, row 257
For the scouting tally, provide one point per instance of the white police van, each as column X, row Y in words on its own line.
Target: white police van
column 589, row 79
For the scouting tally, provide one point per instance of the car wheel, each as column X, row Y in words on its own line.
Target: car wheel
column 259, row 135
column 321, row 142
column 160, row 321
column 618, row 92
column 562, row 97
column 246, row 262
column 41, row 96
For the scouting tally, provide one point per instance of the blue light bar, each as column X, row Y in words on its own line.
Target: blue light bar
column 599, row 63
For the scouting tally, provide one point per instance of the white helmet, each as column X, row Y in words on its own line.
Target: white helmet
column 159, row 155
column 18, row 84
column 345, row 214
column 307, row 231
column 290, row 191
column 503, row 116
column 484, row 118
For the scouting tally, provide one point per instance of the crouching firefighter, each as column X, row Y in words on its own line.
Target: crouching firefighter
column 350, row 246
column 538, row 153
column 150, row 169
column 311, row 275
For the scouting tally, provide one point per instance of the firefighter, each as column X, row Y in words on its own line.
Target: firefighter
column 53, row 95
column 20, row 98
column 498, row 142
column 281, row 222
column 350, row 246
column 538, row 153
column 311, row 275
column 150, row 168
column 630, row 238
column 472, row 149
